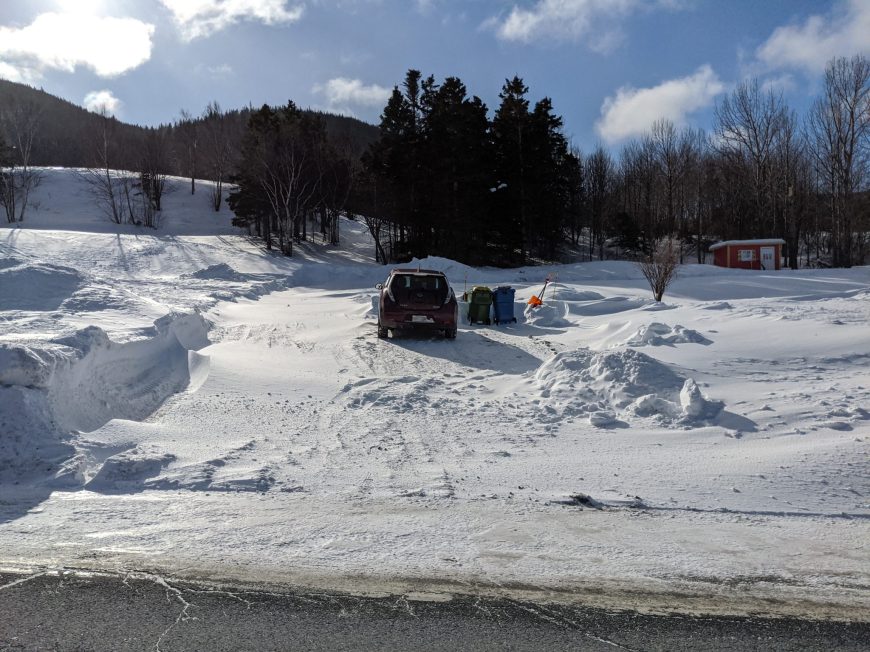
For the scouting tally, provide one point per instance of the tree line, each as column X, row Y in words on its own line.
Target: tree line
column 442, row 176
column 444, row 179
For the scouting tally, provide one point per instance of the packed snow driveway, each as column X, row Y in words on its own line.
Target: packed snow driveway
column 192, row 404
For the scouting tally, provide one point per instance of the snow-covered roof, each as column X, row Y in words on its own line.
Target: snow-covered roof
column 415, row 270
column 731, row 243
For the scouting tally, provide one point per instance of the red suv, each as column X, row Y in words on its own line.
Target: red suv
column 419, row 299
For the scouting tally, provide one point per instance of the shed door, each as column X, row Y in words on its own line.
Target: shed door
column 768, row 257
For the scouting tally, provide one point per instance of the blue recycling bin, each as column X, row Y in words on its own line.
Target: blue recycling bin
column 503, row 305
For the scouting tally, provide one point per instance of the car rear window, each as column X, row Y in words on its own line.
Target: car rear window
column 418, row 282
column 417, row 288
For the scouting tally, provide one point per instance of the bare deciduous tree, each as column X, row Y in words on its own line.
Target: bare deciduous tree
column 659, row 268
column 599, row 178
column 839, row 136
column 217, row 150
column 100, row 176
column 750, row 123
column 21, row 122
column 189, row 137
column 154, row 161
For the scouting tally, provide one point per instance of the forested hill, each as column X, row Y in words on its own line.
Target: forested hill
column 68, row 135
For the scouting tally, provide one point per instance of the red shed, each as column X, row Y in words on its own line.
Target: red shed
column 748, row 254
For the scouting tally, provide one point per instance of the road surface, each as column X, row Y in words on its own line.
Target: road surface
column 85, row 611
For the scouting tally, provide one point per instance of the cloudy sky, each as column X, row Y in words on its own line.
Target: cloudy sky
column 612, row 67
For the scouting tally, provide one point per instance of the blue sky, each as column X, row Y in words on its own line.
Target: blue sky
column 612, row 67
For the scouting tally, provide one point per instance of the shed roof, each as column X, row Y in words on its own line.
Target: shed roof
column 732, row 243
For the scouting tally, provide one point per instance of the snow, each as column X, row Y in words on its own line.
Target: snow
column 183, row 400
column 735, row 243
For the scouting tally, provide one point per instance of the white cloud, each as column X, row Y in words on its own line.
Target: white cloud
column 97, row 101
column 607, row 41
column 572, row 20
column 809, row 46
column 781, row 84
column 198, row 18
column 20, row 75
column 341, row 92
column 633, row 110
column 65, row 41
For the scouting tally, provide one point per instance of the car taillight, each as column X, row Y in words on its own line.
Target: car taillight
column 450, row 296
column 390, row 294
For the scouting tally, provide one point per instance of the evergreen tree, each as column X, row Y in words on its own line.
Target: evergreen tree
column 510, row 132
column 550, row 170
column 444, row 179
column 458, row 169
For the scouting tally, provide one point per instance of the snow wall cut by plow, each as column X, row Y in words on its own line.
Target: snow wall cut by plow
column 78, row 383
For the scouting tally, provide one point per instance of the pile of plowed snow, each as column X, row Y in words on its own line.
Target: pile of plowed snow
column 80, row 382
column 611, row 388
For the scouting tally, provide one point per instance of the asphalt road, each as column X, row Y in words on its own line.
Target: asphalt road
column 147, row 612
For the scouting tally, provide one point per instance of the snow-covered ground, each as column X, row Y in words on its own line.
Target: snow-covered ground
column 181, row 400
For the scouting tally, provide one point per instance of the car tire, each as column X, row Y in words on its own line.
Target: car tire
column 383, row 332
column 450, row 333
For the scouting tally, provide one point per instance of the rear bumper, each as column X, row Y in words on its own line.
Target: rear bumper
column 407, row 323
column 403, row 320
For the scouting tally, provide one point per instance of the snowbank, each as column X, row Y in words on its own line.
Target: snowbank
column 615, row 387
column 80, row 382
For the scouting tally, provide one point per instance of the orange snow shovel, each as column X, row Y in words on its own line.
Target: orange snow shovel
column 538, row 300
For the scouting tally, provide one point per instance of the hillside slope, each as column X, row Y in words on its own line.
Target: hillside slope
column 67, row 133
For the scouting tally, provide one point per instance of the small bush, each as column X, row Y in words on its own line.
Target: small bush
column 660, row 267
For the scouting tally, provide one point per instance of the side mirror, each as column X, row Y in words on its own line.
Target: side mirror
column 379, row 286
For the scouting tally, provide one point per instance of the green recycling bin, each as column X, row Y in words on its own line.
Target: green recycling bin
column 479, row 305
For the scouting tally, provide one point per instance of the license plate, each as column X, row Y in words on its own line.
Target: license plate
column 421, row 319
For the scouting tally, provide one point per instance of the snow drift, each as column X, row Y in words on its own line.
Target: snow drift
column 26, row 285
column 80, row 382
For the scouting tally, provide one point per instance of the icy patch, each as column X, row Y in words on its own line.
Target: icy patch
column 658, row 334
column 37, row 286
